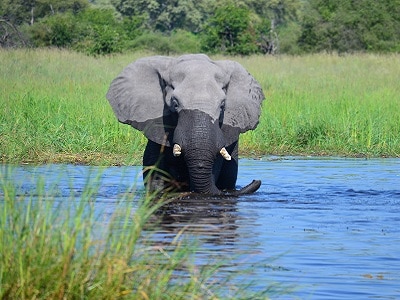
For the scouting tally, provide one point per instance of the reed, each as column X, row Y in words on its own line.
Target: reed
column 53, row 107
column 56, row 247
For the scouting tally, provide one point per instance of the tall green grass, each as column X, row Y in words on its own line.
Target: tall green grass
column 52, row 248
column 53, row 107
column 327, row 105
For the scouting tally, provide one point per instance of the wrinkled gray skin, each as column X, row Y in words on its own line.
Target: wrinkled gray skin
column 193, row 102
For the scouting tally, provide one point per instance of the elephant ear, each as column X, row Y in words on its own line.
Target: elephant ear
column 137, row 97
column 243, row 101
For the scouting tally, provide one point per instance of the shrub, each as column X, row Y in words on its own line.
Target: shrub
column 92, row 31
column 179, row 41
column 185, row 42
column 58, row 30
column 100, row 32
column 153, row 41
column 104, row 40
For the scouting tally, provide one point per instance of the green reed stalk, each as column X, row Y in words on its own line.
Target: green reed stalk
column 66, row 249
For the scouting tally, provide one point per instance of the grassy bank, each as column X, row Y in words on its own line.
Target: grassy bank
column 53, row 107
column 327, row 105
column 63, row 248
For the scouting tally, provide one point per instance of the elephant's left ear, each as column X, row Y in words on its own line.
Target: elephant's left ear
column 243, row 99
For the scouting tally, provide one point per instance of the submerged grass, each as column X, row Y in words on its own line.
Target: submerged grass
column 53, row 107
column 54, row 248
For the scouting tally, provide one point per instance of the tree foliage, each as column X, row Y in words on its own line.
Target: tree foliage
column 165, row 15
column 345, row 26
column 228, row 26
column 94, row 31
column 229, row 30
column 28, row 11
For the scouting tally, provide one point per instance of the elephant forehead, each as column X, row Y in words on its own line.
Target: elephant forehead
column 199, row 85
column 197, row 70
column 206, row 97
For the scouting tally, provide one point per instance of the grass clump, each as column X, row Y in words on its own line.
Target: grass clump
column 55, row 246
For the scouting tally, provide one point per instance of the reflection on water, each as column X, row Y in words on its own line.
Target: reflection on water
column 212, row 219
column 328, row 227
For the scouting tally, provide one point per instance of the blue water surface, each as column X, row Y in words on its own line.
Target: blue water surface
column 318, row 228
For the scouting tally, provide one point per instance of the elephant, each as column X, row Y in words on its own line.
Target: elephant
column 191, row 109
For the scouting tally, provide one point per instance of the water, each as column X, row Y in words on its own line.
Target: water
column 325, row 228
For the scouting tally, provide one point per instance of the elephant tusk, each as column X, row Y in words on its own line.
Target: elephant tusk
column 225, row 154
column 177, row 150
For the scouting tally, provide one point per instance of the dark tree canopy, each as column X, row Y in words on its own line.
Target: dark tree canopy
column 227, row 26
column 342, row 25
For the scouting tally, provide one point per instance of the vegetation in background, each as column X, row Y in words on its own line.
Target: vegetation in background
column 350, row 26
column 226, row 27
column 230, row 31
column 53, row 107
column 327, row 105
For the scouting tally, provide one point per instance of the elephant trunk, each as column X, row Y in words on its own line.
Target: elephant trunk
column 200, row 140
column 202, row 180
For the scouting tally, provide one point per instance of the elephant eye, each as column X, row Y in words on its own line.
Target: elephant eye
column 174, row 104
column 221, row 114
column 222, row 105
column 225, row 88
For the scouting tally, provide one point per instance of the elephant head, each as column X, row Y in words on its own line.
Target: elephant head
column 195, row 106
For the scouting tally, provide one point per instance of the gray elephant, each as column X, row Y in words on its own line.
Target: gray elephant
column 192, row 110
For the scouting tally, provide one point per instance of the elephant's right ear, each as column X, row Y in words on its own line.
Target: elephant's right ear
column 137, row 96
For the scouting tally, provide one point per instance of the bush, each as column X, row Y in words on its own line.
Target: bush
column 58, row 30
column 92, row 31
column 288, row 36
column 101, row 33
column 179, row 41
column 185, row 42
column 153, row 41
column 104, row 40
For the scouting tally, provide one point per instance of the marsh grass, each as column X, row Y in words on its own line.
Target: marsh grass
column 53, row 107
column 327, row 105
column 61, row 248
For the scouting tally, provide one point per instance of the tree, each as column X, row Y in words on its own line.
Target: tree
column 230, row 31
column 278, row 12
column 10, row 36
column 14, row 14
column 20, row 12
column 345, row 26
column 165, row 15
column 93, row 31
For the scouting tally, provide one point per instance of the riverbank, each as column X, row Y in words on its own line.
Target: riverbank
column 53, row 108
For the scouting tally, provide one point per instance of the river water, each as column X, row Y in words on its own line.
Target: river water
column 320, row 228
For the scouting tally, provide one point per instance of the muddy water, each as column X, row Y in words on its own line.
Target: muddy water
column 317, row 228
